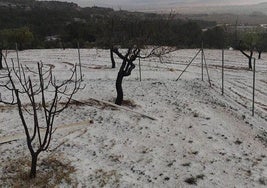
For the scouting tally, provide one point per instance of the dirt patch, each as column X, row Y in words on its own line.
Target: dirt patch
column 51, row 172
column 129, row 103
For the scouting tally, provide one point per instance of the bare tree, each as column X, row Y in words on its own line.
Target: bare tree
column 125, row 70
column 40, row 97
column 128, row 64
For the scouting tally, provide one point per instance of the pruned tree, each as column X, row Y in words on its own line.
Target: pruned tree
column 40, row 98
column 128, row 63
column 125, row 70
column 133, row 34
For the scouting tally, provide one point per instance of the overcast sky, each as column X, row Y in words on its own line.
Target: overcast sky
column 135, row 4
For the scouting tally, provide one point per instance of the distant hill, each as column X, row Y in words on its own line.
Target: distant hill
column 52, row 23
column 255, row 18
column 234, row 9
column 262, row 7
column 244, row 14
column 37, row 4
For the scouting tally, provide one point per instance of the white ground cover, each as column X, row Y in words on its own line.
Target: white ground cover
column 197, row 134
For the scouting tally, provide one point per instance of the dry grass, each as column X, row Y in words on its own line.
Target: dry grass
column 51, row 172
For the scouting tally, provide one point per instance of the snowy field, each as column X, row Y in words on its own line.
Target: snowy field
column 199, row 138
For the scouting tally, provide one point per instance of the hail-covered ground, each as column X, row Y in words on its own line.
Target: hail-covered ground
column 168, row 134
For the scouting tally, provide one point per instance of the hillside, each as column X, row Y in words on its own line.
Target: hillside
column 197, row 137
column 52, row 24
column 233, row 9
column 254, row 18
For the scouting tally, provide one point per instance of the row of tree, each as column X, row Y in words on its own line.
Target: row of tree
column 246, row 42
column 35, row 21
column 124, row 32
column 113, row 31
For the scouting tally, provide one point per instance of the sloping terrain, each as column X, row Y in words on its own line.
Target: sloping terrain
column 199, row 137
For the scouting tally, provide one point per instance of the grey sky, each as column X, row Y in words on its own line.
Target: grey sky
column 137, row 4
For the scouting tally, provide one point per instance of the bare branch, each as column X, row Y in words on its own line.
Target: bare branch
column 21, row 81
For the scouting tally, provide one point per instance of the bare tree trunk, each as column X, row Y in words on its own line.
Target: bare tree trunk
column 112, row 58
column 249, row 56
column 259, row 56
column 250, row 59
column 33, row 165
column 125, row 70
column 119, row 90
column 250, row 62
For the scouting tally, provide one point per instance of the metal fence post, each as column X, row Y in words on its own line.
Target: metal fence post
column 223, row 71
column 254, row 82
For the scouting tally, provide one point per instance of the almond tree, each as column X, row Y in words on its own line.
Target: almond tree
column 125, row 70
column 128, row 64
column 40, row 97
